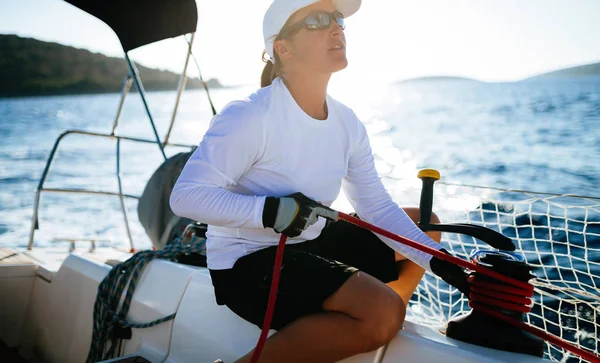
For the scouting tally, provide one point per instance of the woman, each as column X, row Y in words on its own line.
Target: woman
column 258, row 172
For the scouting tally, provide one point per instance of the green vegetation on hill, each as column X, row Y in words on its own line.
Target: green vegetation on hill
column 32, row 67
column 588, row 70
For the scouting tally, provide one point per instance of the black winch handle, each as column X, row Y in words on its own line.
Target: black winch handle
column 428, row 176
column 489, row 236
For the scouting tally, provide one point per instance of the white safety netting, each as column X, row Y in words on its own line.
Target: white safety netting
column 559, row 235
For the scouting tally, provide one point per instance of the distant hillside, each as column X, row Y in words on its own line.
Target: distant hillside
column 32, row 67
column 588, row 70
column 434, row 79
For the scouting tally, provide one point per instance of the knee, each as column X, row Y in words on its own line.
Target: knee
column 434, row 218
column 414, row 214
column 436, row 236
column 385, row 324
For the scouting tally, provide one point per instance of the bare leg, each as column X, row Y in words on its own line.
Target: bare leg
column 361, row 316
column 409, row 273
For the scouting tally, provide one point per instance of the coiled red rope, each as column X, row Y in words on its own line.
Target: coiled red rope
column 515, row 295
column 499, row 295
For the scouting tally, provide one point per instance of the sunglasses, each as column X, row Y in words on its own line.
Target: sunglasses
column 316, row 21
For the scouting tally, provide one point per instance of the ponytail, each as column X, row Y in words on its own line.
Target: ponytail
column 271, row 71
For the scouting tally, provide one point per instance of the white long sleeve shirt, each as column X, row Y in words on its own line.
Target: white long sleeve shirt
column 266, row 145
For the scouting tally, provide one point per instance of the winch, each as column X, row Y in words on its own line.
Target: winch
column 480, row 328
column 488, row 296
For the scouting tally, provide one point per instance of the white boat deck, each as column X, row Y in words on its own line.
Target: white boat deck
column 47, row 298
column 51, row 258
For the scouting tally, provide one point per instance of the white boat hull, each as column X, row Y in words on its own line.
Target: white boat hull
column 49, row 316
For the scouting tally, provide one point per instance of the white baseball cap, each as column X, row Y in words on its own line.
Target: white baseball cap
column 280, row 11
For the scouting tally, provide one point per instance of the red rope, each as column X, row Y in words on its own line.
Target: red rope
column 537, row 332
column 484, row 271
column 517, row 287
column 499, row 295
column 272, row 297
column 437, row 253
column 474, row 281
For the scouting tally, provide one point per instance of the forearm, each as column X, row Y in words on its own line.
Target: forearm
column 391, row 217
column 372, row 202
column 217, row 206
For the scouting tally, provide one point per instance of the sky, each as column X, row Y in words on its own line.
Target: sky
column 490, row 40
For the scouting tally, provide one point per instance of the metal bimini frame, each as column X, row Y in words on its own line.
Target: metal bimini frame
column 133, row 76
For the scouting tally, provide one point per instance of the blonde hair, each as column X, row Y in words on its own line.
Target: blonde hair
column 271, row 71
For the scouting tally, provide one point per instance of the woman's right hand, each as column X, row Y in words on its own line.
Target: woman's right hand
column 293, row 214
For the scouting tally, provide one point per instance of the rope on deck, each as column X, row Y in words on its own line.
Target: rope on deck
column 112, row 306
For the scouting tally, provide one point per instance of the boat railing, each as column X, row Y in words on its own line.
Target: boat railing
column 131, row 78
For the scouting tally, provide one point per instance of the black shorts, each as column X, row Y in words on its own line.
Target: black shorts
column 310, row 273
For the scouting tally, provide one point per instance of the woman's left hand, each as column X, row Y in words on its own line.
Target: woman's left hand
column 451, row 273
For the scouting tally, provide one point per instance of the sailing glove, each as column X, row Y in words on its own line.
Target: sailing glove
column 294, row 213
column 451, row 273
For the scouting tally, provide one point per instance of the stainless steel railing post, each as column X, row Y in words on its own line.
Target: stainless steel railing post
column 34, row 221
column 132, row 248
column 124, row 91
column 182, row 83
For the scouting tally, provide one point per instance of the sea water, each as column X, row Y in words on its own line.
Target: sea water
column 541, row 136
